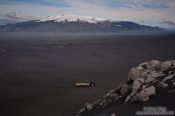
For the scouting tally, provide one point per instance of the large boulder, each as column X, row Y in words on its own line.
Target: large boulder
column 151, row 76
column 154, row 63
column 144, row 94
column 136, row 72
column 125, row 90
column 137, row 83
column 166, row 65
column 89, row 106
column 172, row 63
column 150, row 65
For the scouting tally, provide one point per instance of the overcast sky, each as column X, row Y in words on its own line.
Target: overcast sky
column 152, row 12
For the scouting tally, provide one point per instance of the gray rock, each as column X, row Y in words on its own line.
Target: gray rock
column 154, row 63
column 136, row 72
column 103, row 103
column 172, row 63
column 151, row 76
column 166, row 65
column 113, row 97
column 88, row 106
column 173, row 83
column 145, row 65
column 150, row 65
column 163, row 82
column 163, row 85
column 119, row 87
column 113, row 114
column 146, row 93
column 137, row 84
column 125, row 90
column 81, row 111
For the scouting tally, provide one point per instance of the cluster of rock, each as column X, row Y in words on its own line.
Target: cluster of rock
column 142, row 83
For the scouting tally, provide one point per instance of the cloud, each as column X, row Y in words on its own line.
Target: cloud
column 127, row 4
column 156, row 6
column 153, row 4
column 60, row 3
column 15, row 16
column 120, row 3
column 168, row 24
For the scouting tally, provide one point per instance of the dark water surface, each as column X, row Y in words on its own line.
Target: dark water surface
column 37, row 75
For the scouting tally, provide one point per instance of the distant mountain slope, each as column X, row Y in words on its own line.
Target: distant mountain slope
column 79, row 25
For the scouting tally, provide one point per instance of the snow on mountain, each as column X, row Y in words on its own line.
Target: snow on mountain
column 68, row 24
column 61, row 18
column 118, row 25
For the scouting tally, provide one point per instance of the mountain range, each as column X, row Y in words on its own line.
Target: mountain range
column 76, row 24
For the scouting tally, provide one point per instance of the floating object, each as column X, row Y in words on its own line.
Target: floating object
column 85, row 84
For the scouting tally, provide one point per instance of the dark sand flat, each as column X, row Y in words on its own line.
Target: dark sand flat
column 37, row 76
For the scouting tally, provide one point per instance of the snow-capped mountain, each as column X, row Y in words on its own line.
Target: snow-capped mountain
column 75, row 24
column 70, row 18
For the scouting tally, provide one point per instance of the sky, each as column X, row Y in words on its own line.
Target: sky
column 149, row 12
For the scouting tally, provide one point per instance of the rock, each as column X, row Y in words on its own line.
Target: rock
column 151, row 76
column 172, row 63
column 127, row 98
column 154, row 74
column 146, row 93
column 118, row 88
column 113, row 114
column 154, row 63
column 173, row 83
column 88, row 106
column 135, row 88
column 113, row 97
column 166, row 65
column 134, row 98
column 129, row 81
column 171, row 72
column 108, row 95
column 163, row 82
column 81, row 110
column 137, row 83
column 145, row 65
column 163, row 85
column 146, row 70
column 125, row 90
column 103, row 103
column 136, row 72
column 150, row 65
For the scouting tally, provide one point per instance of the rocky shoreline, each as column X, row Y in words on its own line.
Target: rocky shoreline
column 142, row 83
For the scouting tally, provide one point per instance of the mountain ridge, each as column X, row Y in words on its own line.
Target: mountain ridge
column 88, row 25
